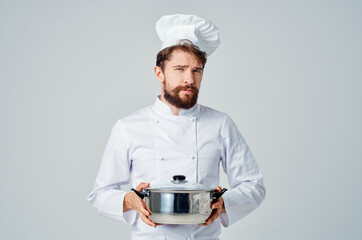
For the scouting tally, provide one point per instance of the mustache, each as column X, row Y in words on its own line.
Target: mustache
column 187, row 87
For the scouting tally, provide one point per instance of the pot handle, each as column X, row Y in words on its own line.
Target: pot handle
column 215, row 194
column 142, row 195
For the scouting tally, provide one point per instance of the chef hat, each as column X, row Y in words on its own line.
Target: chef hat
column 173, row 29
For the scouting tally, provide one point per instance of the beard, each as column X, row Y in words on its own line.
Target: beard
column 172, row 96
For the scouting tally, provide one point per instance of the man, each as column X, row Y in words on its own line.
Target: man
column 178, row 136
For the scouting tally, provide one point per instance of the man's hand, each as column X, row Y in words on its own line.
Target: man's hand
column 132, row 201
column 217, row 207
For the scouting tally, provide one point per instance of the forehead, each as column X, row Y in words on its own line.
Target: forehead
column 179, row 57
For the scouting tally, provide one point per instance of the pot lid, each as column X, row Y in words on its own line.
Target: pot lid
column 179, row 182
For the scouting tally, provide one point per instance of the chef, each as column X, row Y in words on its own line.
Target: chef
column 178, row 136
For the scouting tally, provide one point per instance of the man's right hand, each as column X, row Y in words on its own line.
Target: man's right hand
column 132, row 201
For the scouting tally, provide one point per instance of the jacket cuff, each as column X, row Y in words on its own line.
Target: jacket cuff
column 231, row 202
column 224, row 218
column 112, row 207
column 130, row 215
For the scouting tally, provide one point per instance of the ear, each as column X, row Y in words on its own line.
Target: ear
column 159, row 74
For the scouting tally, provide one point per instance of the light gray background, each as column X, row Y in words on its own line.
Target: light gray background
column 287, row 72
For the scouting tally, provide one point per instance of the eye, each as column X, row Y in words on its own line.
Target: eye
column 179, row 69
column 197, row 70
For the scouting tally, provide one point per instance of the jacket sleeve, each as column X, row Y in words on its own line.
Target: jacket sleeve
column 245, row 179
column 114, row 171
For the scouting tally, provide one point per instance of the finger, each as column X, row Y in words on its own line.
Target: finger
column 146, row 216
column 207, row 221
column 139, row 206
column 141, row 186
column 218, row 188
column 150, row 213
column 211, row 220
column 214, row 215
column 147, row 220
column 143, row 211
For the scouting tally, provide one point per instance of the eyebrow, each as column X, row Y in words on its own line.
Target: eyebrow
column 185, row 66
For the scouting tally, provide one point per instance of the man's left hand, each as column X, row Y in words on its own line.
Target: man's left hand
column 217, row 207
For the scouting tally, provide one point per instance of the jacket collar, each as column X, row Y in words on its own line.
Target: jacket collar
column 162, row 107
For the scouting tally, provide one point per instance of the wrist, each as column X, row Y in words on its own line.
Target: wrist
column 126, row 202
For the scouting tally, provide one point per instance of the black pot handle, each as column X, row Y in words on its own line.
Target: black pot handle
column 142, row 195
column 215, row 194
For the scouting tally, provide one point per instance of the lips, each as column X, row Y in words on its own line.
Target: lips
column 188, row 90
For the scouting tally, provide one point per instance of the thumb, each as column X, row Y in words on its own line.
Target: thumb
column 141, row 186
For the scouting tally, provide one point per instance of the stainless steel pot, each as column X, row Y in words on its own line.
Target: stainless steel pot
column 180, row 202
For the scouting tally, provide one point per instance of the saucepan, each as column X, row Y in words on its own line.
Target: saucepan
column 180, row 202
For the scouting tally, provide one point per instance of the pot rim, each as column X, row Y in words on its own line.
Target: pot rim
column 176, row 191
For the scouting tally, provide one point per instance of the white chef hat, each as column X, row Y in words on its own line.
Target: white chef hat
column 173, row 29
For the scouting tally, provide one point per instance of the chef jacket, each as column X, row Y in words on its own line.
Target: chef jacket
column 152, row 145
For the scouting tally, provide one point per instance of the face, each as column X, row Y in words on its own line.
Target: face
column 181, row 79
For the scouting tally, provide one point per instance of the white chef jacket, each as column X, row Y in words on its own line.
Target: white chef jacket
column 151, row 145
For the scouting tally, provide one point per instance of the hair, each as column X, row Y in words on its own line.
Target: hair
column 185, row 46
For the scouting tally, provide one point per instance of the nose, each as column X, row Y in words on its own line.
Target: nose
column 189, row 77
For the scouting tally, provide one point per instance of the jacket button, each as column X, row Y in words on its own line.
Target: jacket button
column 192, row 120
column 155, row 121
column 192, row 157
column 161, row 158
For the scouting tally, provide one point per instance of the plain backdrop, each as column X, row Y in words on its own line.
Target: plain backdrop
column 289, row 73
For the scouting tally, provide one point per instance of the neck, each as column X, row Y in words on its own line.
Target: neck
column 174, row 109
